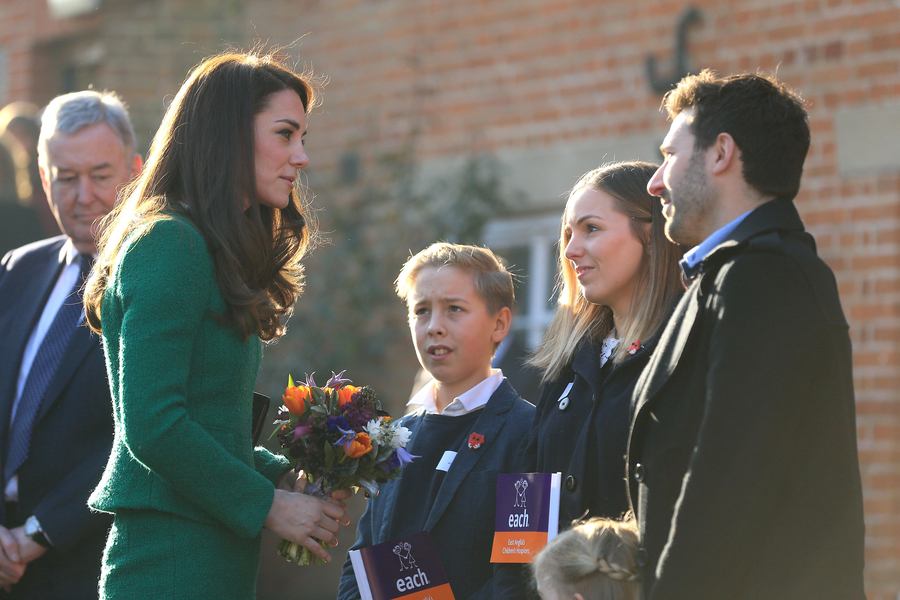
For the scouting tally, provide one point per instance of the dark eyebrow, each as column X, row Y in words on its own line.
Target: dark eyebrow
column 586, row 217
column 290, row 122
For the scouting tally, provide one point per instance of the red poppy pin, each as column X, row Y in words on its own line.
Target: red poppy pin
column 475, row 441
column 635, row 346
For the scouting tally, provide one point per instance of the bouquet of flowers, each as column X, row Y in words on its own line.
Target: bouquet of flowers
column 341, row 438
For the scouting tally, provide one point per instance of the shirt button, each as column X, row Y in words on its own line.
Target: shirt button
column 564, row 404
column 639, row 473
column 571, row 483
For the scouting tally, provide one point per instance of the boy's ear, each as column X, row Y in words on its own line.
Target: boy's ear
column 501, row 324
column 578, row 596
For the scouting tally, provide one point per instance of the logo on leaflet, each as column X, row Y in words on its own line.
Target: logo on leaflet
column 406, row 559
column 407, row 562
column 521, row 485
column 519, row 520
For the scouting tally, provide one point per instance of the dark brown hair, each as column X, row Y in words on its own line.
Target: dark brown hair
column 659, row 284
column 764, row 116
column 202, row 164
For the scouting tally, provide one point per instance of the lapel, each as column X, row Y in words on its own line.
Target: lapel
column 28, row 306
column 586, row 364
column 488, row 424
column 773, row 216
column 30, row 297
column 83, row 340
column 390, row 489
column 670, row 346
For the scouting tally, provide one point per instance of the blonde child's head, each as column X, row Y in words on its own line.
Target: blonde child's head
column 459, row 300
column 595, row 560
column 493, row 282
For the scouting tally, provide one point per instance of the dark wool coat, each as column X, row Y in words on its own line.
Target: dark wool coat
column 585, row 438
column 72, row 434
column 742, row 457
column 461, row 520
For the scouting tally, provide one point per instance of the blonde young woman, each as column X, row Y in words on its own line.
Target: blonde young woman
column 619, row 279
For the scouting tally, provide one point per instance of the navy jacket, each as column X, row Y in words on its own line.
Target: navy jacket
column 742, row 459
column 72, row 433
column 581, row 430
column 461, row 521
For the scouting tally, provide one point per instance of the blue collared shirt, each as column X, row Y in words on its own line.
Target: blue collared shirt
column 690, row 263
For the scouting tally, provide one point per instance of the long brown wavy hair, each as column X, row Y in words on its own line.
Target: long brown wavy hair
column 202, row 165
column 659, row 279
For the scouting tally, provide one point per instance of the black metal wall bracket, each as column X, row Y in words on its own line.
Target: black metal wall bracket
column 660, row 84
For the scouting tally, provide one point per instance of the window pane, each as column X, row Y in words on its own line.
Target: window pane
column 516, row 259
column 550, row 284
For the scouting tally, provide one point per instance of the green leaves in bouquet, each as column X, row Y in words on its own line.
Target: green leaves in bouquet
column 329, row 455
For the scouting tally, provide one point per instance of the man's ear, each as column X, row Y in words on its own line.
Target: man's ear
column 501, row 324
column 137, row 165
column 723, row 153
column 45, row 180
column 578, row 596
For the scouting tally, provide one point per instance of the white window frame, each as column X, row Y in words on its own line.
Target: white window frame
column 539, row 233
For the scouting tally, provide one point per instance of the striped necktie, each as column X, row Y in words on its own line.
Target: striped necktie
column 46, row 361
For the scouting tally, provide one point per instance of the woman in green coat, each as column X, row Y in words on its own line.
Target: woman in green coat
column 199, row 264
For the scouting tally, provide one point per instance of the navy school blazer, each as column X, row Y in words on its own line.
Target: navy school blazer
column 461, row 521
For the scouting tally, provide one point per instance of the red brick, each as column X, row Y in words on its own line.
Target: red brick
column 529, row 76
column 871, row 311
column 880, row 68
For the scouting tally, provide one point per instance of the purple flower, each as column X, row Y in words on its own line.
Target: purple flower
column 310, row 382
column 404, row 457
column 339, row 425
column 335, row 424
column 337, row 381
column 301, row 430
column 398, row 459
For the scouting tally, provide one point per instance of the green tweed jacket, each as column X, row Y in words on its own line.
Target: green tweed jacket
column 181, row 385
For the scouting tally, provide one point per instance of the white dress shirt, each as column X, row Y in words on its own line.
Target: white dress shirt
column 470, row 401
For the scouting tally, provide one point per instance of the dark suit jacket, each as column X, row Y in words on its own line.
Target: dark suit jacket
column 72, row 434
column 742, row 458
column 461, row 521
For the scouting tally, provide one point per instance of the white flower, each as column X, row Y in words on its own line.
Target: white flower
column 375, row 431
column 400, row 437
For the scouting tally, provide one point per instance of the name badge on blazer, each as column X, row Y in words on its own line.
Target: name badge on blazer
column 446, row 461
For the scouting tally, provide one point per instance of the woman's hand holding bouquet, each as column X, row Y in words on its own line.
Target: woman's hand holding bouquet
column 340, row 438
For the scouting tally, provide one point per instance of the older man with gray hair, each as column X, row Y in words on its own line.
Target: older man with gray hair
column 54, row 394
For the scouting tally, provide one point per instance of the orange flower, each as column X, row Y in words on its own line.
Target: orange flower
column 345, row 393
column 296, row 398
column 358, row 446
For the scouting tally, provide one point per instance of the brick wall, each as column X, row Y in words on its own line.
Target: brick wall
column 519, row 77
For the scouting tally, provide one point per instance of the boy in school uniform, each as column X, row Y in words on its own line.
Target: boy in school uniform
column 467, row 426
